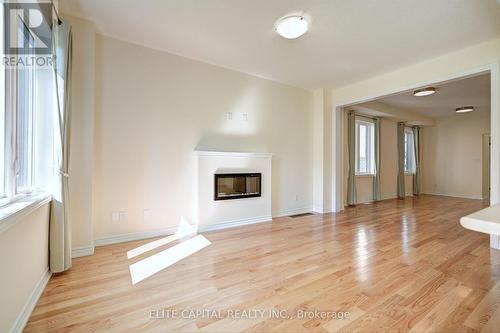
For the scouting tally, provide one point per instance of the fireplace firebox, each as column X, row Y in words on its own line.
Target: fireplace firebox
column 237, row 185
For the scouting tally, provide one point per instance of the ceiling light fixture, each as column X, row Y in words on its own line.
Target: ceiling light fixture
column 464, row 109
column 291, row 27
column 424, row 92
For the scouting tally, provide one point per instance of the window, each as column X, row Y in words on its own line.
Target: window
column 2, row 112
column 365, row 141
column 409, row 155
column 25, row 124
column 23, row 163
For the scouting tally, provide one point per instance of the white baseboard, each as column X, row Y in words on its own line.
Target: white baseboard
column 294, row 211
column 133, row 236
column 455, row 195
column 82, row 251
column 318, row 210
column 235, row 223
column 24, row 315
column 169, row 231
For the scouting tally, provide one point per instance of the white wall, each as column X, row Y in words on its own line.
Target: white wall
column 154, row 109
column 24, row 261
column 452, row 155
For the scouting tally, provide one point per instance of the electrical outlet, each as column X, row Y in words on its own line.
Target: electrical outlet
column 122, row 216
column 115, row 217
column 147, row 215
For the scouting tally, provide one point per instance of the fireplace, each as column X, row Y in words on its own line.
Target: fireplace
column 237, row 185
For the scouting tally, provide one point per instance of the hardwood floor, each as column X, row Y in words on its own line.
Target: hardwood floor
column 394, row 266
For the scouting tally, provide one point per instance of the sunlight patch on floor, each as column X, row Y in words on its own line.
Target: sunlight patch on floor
column 184, row 229
column 161, row 260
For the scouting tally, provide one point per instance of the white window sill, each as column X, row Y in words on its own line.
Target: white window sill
column 14, row 211
column 360, row 175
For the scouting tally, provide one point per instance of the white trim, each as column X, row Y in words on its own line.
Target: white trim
column 232, row 154
column 170, row 231
column 235, row 223
column 455, row 195
column 495, row 240
column 24, row 315
column 364, row 175
column 107, row 240
column 318, row 209
column 9, row 218
column 294, row 211
column 82, row 251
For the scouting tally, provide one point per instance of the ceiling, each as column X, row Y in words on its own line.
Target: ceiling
column 347, row 41
column 473, row 91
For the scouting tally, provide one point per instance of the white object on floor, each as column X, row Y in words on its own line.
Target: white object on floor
column 161, row 260
column 486, row 221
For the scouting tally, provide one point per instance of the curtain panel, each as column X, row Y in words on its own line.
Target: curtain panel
column 351, row 143
column 401, row 160
column 60, row 226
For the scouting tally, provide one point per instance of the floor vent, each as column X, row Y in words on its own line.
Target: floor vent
column 300, row 215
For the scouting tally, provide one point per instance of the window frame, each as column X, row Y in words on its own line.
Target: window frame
column 11, row 111
column 370, row 145
column 409, row 152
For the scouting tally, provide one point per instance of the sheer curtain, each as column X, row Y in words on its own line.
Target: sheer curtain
column 401, row 160
column 60, row 226
column 351, row 142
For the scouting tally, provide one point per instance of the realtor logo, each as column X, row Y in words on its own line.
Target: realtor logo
column 26, row 28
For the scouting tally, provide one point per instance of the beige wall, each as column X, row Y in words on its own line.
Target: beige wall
column 452, row 155
column 154, row 109
column 27, row 245
column 82, row 132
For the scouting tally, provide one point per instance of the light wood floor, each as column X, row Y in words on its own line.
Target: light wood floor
column 395, row 266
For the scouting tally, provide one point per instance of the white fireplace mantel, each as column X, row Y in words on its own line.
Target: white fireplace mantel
column 232, row 154
column 212, row 214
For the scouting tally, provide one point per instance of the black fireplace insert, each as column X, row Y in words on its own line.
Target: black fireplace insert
column 237, row 185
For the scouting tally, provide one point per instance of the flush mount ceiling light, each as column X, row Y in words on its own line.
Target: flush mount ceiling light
column 464, row 109
column 424, row 92
column 291, row 27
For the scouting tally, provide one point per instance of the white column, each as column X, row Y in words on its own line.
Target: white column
column 495, row 242
column 495, row 145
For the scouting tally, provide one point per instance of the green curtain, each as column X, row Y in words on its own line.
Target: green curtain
column 416, row 149
column 351, row 143
column 376, row 178
column 401, row 160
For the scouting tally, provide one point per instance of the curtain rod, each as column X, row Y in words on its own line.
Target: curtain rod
column 59, row 21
